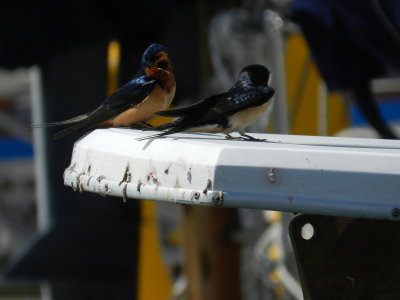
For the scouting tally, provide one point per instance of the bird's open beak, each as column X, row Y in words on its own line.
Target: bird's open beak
column 163, row 62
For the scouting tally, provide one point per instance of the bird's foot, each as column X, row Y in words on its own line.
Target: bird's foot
column 244, row 137
column 247, row 137
column 229, row 137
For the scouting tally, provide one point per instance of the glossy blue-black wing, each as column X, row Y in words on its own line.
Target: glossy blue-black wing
column 237, row 100
column 130, row 94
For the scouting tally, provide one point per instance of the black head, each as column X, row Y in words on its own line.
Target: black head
column 257, row 74
column 155, row 54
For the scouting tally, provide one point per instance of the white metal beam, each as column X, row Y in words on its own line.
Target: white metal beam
column 323, row 175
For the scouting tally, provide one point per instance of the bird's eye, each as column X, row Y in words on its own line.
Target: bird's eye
column 162, row 64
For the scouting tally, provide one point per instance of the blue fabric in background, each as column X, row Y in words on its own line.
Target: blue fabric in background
column 390, row 109
column 352, row 41
column 12, row 148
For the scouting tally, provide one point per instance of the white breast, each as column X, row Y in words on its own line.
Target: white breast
column 246, row 117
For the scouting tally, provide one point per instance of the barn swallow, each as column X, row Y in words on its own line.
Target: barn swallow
column 231, row 111
column 151, row 90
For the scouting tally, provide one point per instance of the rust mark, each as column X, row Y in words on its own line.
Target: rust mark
column 152, row 179
column 166, row 171
column 100, row 178
column 78, row 182
column 124, row 194
column 126, row 177
column 189, row 175
column 89, row 170
column 208, row 186
column 139, row 185
column 88, row 181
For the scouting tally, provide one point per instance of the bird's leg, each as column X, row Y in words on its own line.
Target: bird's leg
column 250, row 138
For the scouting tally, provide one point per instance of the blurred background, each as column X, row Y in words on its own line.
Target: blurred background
column 335, row 68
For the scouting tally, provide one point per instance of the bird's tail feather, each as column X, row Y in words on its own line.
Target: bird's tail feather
column 179, row 112
column 76, row 129
column 65, row 122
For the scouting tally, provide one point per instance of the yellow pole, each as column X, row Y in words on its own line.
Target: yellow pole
column 113, row 62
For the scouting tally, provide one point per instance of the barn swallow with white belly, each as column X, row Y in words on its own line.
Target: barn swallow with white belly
column 231, row 111
column 151, row 90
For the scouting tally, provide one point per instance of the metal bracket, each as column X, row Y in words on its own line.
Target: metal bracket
column 346, row 258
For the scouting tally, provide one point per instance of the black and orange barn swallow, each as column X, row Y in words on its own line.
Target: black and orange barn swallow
column 231, row 111
column 151, row 90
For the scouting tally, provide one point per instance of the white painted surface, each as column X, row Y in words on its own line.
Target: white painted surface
column 323, row 175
